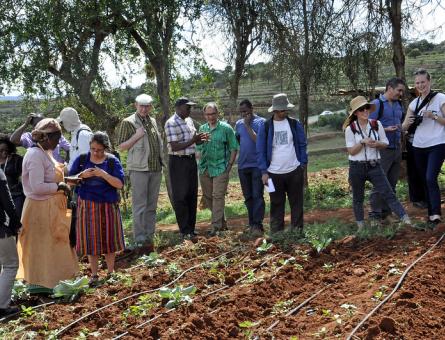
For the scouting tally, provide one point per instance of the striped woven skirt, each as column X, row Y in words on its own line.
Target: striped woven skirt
column 98, row 228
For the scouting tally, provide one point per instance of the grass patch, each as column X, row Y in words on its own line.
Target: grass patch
column 328, row 161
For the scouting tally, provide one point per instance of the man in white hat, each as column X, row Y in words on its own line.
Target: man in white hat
column 80, row 133
column 139, row 135
column 281, row 145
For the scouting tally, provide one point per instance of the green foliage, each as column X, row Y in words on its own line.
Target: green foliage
column 152, row 260
column 144, row 304
column 319, row 243
column 264, row 247
column 173, row 269
column 69, row 290
column 19, row 291
column 27, row 311
column 334, row 121
column 118, row 277
column 177, row 295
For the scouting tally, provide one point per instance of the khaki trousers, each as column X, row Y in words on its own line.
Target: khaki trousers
column 214, row 190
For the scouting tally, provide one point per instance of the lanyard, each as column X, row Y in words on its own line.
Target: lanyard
column 371, row 130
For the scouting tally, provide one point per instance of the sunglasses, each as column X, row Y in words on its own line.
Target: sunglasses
column 363, row 108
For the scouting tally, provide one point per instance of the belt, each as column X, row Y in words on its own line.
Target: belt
column 184, row 156
column 370, row 161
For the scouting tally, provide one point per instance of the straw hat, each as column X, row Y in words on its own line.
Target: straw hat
column 359, row 102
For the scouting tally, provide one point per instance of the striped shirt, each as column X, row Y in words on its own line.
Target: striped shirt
column 215, row 153
column 180, row 130
column 126, row 129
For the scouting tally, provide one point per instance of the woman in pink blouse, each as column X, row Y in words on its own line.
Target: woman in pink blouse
column 45, row 254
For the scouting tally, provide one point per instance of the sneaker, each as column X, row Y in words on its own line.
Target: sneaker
column 405, row 220
column 5, row 312
column 435, row 219
column 360, row 225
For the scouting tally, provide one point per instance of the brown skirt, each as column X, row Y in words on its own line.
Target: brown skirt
column 45, row 254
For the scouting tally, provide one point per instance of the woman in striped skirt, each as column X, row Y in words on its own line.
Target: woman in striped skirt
column 99, row 224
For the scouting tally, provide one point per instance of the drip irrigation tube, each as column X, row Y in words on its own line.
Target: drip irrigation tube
column 301, row 305
column 399, row 283
column 65, row 328
column 32, row 307
column 210, row 293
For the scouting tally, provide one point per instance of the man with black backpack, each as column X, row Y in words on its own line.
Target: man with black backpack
column 389, row 111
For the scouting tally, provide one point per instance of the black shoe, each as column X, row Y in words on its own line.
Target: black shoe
column 420, row 205
column 4, row 312
column 94, row 281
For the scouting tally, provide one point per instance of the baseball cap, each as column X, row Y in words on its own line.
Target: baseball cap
column 184, row 100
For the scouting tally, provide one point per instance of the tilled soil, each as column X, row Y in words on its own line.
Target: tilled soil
column 241, row 294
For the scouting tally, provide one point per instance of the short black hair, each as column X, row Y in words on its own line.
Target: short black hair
column 4, row 139
column 422, row 72
column 101, row 137
column 394, row 82
column 246, row 102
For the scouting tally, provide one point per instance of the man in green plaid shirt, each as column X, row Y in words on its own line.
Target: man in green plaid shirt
column 217, row 156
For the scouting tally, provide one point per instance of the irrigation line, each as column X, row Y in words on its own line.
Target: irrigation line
column 146, row 322
column 212, row 292
column 32, row 307
column 65, row 328
column 399, row 283
column 301, row 305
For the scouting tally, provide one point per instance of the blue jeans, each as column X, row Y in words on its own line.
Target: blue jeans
column 359, row 173
column 252, row 186
column 428, row 162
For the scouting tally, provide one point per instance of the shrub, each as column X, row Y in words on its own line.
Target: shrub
column 334, row 121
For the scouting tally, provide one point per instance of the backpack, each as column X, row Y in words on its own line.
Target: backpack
column 380, row 112
column 373, row 122
column 110, row 159
column 78, row 133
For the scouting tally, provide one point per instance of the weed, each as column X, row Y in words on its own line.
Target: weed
column 27, row 311
column 19, row 291
column 173, row 269
column 177, row 295
column 117, row 277
column 145, row 303
column 152, row 260
column 282, row 307
column 250, row 276
column 264, row 247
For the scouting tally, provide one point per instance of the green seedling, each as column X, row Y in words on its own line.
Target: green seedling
column 173, row 269
column 298, row 267
column 118, row 277
column 152, row 260
column 321, row 333
column 86, row 334
column 350, row 309
column 70, row 290
column 284, row 262
column 264, row 247
column 282, row 307
column 379, row 294
column 326, row 313
column 246, row 325
column 328, row 267
column 27, row 311
column 303, row 254
column 319, row 244
column 250, row 276
column 19, row 291
column 394, row 269
column 177, row 295
column 145, row 303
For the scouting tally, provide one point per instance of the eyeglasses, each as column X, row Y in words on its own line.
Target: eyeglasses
column 363, row 108
column 97, row 150
column 210, row 113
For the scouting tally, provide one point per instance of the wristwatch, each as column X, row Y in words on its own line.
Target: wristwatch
column 435, row 116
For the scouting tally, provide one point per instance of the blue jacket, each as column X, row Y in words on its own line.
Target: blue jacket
column 264, row 148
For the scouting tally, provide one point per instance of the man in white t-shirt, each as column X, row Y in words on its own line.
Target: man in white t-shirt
column 80, row 133
column 281, row 146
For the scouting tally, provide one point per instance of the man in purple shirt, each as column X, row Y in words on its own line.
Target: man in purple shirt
column 246, row 130
column 21, row 138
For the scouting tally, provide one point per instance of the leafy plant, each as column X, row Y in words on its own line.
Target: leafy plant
column 321, row 333
column 350, row 308
column 145, row 303
column 328, row 267
column 19, row 290
column 173, row 269
column 282, row 307
column 246, row 325
column 152, row 260
column 379, row 294
column 27, row 311
column 320, row 243
column 118, row 277
column 177, row 295
column 69, row 290
column 264, row 247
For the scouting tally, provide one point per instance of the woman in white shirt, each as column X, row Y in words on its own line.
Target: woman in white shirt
column 425, row 118
column 364, row 138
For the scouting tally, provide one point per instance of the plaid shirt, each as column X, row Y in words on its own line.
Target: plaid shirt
column 180, row 130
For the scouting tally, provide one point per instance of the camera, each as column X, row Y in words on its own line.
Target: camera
column 417, row 121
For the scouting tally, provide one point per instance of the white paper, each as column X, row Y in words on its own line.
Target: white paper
column 270, row 187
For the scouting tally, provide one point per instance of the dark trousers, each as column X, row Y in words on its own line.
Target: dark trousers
column 359, row 173
column 184, row 185
column 429, row 162
column 416, row 187
column 252, row 186
column 390, row 160
column 291, row 184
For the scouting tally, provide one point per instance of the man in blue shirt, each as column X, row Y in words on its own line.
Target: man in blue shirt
column 246, row 130
column 389, row 112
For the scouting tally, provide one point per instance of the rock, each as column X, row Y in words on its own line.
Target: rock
column 359, row 271
column 388, row 325
column 333, row 252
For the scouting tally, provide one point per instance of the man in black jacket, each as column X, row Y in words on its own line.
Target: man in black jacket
column 9, row 262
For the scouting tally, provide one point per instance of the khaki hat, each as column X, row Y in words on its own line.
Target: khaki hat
column 280, row 103
column 359, row 102
column 144, row 99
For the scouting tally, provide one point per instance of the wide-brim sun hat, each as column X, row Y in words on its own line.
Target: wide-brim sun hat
column 359, row 102
column 280, row 103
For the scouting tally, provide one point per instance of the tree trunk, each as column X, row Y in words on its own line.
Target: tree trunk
column 395, row 15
